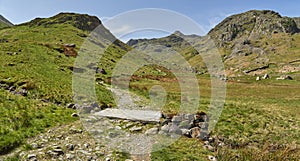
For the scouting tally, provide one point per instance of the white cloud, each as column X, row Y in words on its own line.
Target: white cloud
column 121, row 30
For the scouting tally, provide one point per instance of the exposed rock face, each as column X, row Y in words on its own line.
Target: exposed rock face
column 251, row 25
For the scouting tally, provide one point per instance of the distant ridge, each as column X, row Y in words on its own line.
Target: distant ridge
column 251, row 43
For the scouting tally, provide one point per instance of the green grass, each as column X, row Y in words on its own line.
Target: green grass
column 22, row 118
column 248, row 118
column 31, row 60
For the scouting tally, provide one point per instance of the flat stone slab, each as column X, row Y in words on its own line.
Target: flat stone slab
column 134, row 115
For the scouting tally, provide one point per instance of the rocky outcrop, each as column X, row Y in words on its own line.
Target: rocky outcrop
column 80, row 21
column 251, row 25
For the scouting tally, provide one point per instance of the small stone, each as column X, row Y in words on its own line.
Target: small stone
column 70, row 156
column 135, row 129
column 186, row 132
column 206, row 142
column 221, row 144
column 22, row 92
column 97, row 148
column 74, row 131
column 86, row 145
column 107, row 159
column 31, row 156
column 75, row 115
column 130, row 124
column 165, row 128
column 70, row 147
column 211, row 139
column 266, row 76
column 70, row 105
column 118, row 128
column 35, row 146
column 212, row 158
column 112, row 134
column 58, row 150
column 152, row 131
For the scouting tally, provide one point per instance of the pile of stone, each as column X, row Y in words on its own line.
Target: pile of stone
column 190, row 125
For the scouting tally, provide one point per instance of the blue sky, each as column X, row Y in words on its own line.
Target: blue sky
column 206, row 13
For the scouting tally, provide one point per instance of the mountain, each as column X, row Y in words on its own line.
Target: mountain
column 252, row 25
column 4, row 22
column 254, row 42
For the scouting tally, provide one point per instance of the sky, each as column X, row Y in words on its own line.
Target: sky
column 206, row 13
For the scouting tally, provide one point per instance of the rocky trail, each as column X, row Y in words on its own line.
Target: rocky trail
column 101, row 134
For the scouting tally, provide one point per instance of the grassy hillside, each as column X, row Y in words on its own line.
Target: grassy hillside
column 33, row 64
column 260, row 120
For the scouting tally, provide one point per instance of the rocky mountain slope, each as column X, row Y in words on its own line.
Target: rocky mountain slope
column 254, row 42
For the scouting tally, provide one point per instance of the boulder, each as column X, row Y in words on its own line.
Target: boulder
column 175, row 129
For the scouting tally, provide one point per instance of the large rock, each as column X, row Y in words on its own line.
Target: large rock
column 175, row 129
column 133, row 115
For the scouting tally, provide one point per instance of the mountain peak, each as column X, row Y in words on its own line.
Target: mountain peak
column 80, row 21
column 178, row 33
